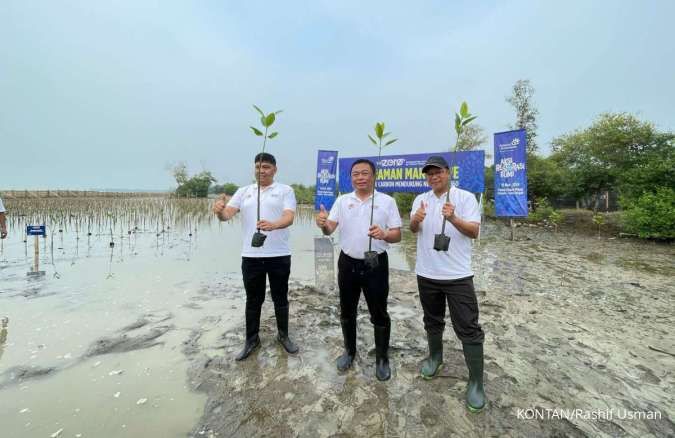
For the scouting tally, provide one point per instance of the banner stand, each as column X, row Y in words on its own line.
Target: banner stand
column 36, row 231
column 511, row 176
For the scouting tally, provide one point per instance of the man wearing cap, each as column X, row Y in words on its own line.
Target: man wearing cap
column 351, row 214
column 445, row 275
column 273, row 258
column 3, row 221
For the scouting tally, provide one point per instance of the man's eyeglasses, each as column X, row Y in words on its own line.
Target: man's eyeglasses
column 362, row 173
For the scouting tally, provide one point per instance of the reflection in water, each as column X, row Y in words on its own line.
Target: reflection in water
column 110, row 263
column 324, row 263
column 4, row 321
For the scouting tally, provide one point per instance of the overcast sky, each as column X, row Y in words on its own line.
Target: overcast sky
column 108, row 94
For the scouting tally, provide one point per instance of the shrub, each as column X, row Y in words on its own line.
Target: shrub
column 652, row 215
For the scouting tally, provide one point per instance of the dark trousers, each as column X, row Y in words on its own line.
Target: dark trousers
column 255, row 271
column 462, row 302
column 354, row 277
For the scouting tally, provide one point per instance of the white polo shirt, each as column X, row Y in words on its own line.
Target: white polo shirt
column 456, row 261
column 274, row 199
column 2, row 207
column 353, row 218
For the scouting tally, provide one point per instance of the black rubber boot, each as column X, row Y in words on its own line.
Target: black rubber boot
column 475, row 394
column 281, row 314
column 252, row 339
column 382, row 370
column 433, row 362
column 344, row 362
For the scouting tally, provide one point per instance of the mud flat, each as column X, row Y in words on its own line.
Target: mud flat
column 578, row 343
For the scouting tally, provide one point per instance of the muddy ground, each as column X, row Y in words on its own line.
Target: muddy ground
column 572, row 322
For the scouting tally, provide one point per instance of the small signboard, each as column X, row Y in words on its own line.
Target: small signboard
column 36, row 230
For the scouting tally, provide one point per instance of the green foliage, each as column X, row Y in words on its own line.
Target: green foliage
column 304, row 194
column 556, row 218
column 404, row 201
column 600, row 156
column 599, row 219
column 622, row 153
column 462, row 119
column 227, row 188
column 653, row 169
column 546, row 178
column 542, row 210
column 266, row 120
column 652, row 215
column 490, row 182
column 489, row 208
column 196, row 186
column 381, row 135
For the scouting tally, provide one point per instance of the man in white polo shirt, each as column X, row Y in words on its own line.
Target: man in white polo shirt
column 273, row 258
column 351, row 214
column 446, row 275
column 3, row 221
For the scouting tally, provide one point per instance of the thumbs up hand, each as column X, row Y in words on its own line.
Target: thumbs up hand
column 420, row 214
column 322, row 217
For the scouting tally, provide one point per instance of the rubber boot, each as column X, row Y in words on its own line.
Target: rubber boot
column 475, row 394
column 382, row 370
column 433, row 362
column 252, row 339
column 344, row 362
column 281, row 314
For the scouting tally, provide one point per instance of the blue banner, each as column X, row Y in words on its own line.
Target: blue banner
column 403, row 173
column 511, row 174
column 326, row 166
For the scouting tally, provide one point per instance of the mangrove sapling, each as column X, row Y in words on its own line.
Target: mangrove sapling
column 462, row 119
column 599, row 220
column 266, row 121
column 370, row 256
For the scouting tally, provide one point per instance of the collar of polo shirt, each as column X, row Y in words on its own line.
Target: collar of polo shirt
column 274, row 183
column 442, row 195
column 355, row 196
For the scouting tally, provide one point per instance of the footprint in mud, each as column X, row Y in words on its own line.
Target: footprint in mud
column 428, row 416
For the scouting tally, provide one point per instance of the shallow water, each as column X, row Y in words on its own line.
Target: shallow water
column 139, row 340
column 147, row 294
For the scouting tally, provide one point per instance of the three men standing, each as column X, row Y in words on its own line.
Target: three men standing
column 351, row 214
column 443, row 274
column 273, row 259
column 446, row 275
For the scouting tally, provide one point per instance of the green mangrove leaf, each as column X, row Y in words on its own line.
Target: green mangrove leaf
column 464, row 110
column 262, row 114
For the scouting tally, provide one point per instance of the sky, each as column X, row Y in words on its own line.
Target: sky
column 112, row 94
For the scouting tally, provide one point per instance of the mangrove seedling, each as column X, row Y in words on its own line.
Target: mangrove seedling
column 370, row 256
column 462, row 119
column 599, row 220
column 267, row 120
